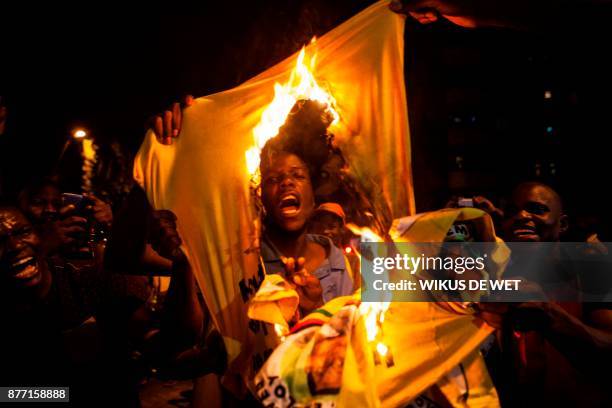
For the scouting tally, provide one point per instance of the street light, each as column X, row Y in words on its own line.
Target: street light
column 79, row 133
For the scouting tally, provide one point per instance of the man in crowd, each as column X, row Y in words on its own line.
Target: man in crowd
column 37, row 310
column 552, row 361
column 31, row 344
column 61, row 224
column 99, row 304
column 535, row 215
column 329, row 219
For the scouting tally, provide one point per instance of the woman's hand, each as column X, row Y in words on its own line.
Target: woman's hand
column 306, row 284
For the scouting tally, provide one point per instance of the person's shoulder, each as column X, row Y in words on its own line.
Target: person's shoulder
column 319, row 239
column 322, row 241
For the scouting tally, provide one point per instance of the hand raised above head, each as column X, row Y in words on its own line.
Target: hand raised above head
column 167, row 125
column 460, row 12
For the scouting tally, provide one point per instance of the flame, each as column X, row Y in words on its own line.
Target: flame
column 301, row 85
column 373, row 312
column 382, row 349
column 366, row 234
column 281, row 331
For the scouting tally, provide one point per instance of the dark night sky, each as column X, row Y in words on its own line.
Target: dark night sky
column 109, row 71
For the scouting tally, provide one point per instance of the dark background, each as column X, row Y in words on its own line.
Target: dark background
column 478, row 113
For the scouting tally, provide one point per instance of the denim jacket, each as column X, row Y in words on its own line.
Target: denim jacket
column 332, row 273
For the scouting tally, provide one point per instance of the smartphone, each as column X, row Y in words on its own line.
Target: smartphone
column 78, row 200
column 465, row 202
column 81, row 248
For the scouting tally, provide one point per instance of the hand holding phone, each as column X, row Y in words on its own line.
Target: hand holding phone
column 78, row 201
column 74, row 225
column 465, row 202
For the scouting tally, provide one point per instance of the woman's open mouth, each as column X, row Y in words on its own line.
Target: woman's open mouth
column 289, row 205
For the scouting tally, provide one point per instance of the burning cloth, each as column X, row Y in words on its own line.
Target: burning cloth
column 339, row 356
column 206, row 176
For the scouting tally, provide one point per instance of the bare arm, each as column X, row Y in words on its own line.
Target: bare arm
column 128, row 250
column 129, row 234
column 518, row 14
column 184, row 318
column 585, row 345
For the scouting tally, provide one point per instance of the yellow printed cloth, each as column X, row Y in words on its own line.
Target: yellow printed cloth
column 327, row 360
column 433, row 226
column 467, row 224
column 203, row 176
column 275, row 302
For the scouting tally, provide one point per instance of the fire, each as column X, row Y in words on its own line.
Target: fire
column 281, row 331
column 301, row 85
column 373, row 312
column 366, row 234
column 382, row 349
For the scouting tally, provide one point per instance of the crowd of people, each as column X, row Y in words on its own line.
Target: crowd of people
column 81, row 306
column 77, row 310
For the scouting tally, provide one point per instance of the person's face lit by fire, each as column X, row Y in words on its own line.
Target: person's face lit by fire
column 21, row 265
column 287, row 192
column 44, row 205
column 328, row 224
column 329, row 180
column 534, row 214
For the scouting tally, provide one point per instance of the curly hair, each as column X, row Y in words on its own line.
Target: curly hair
column 305, row 134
